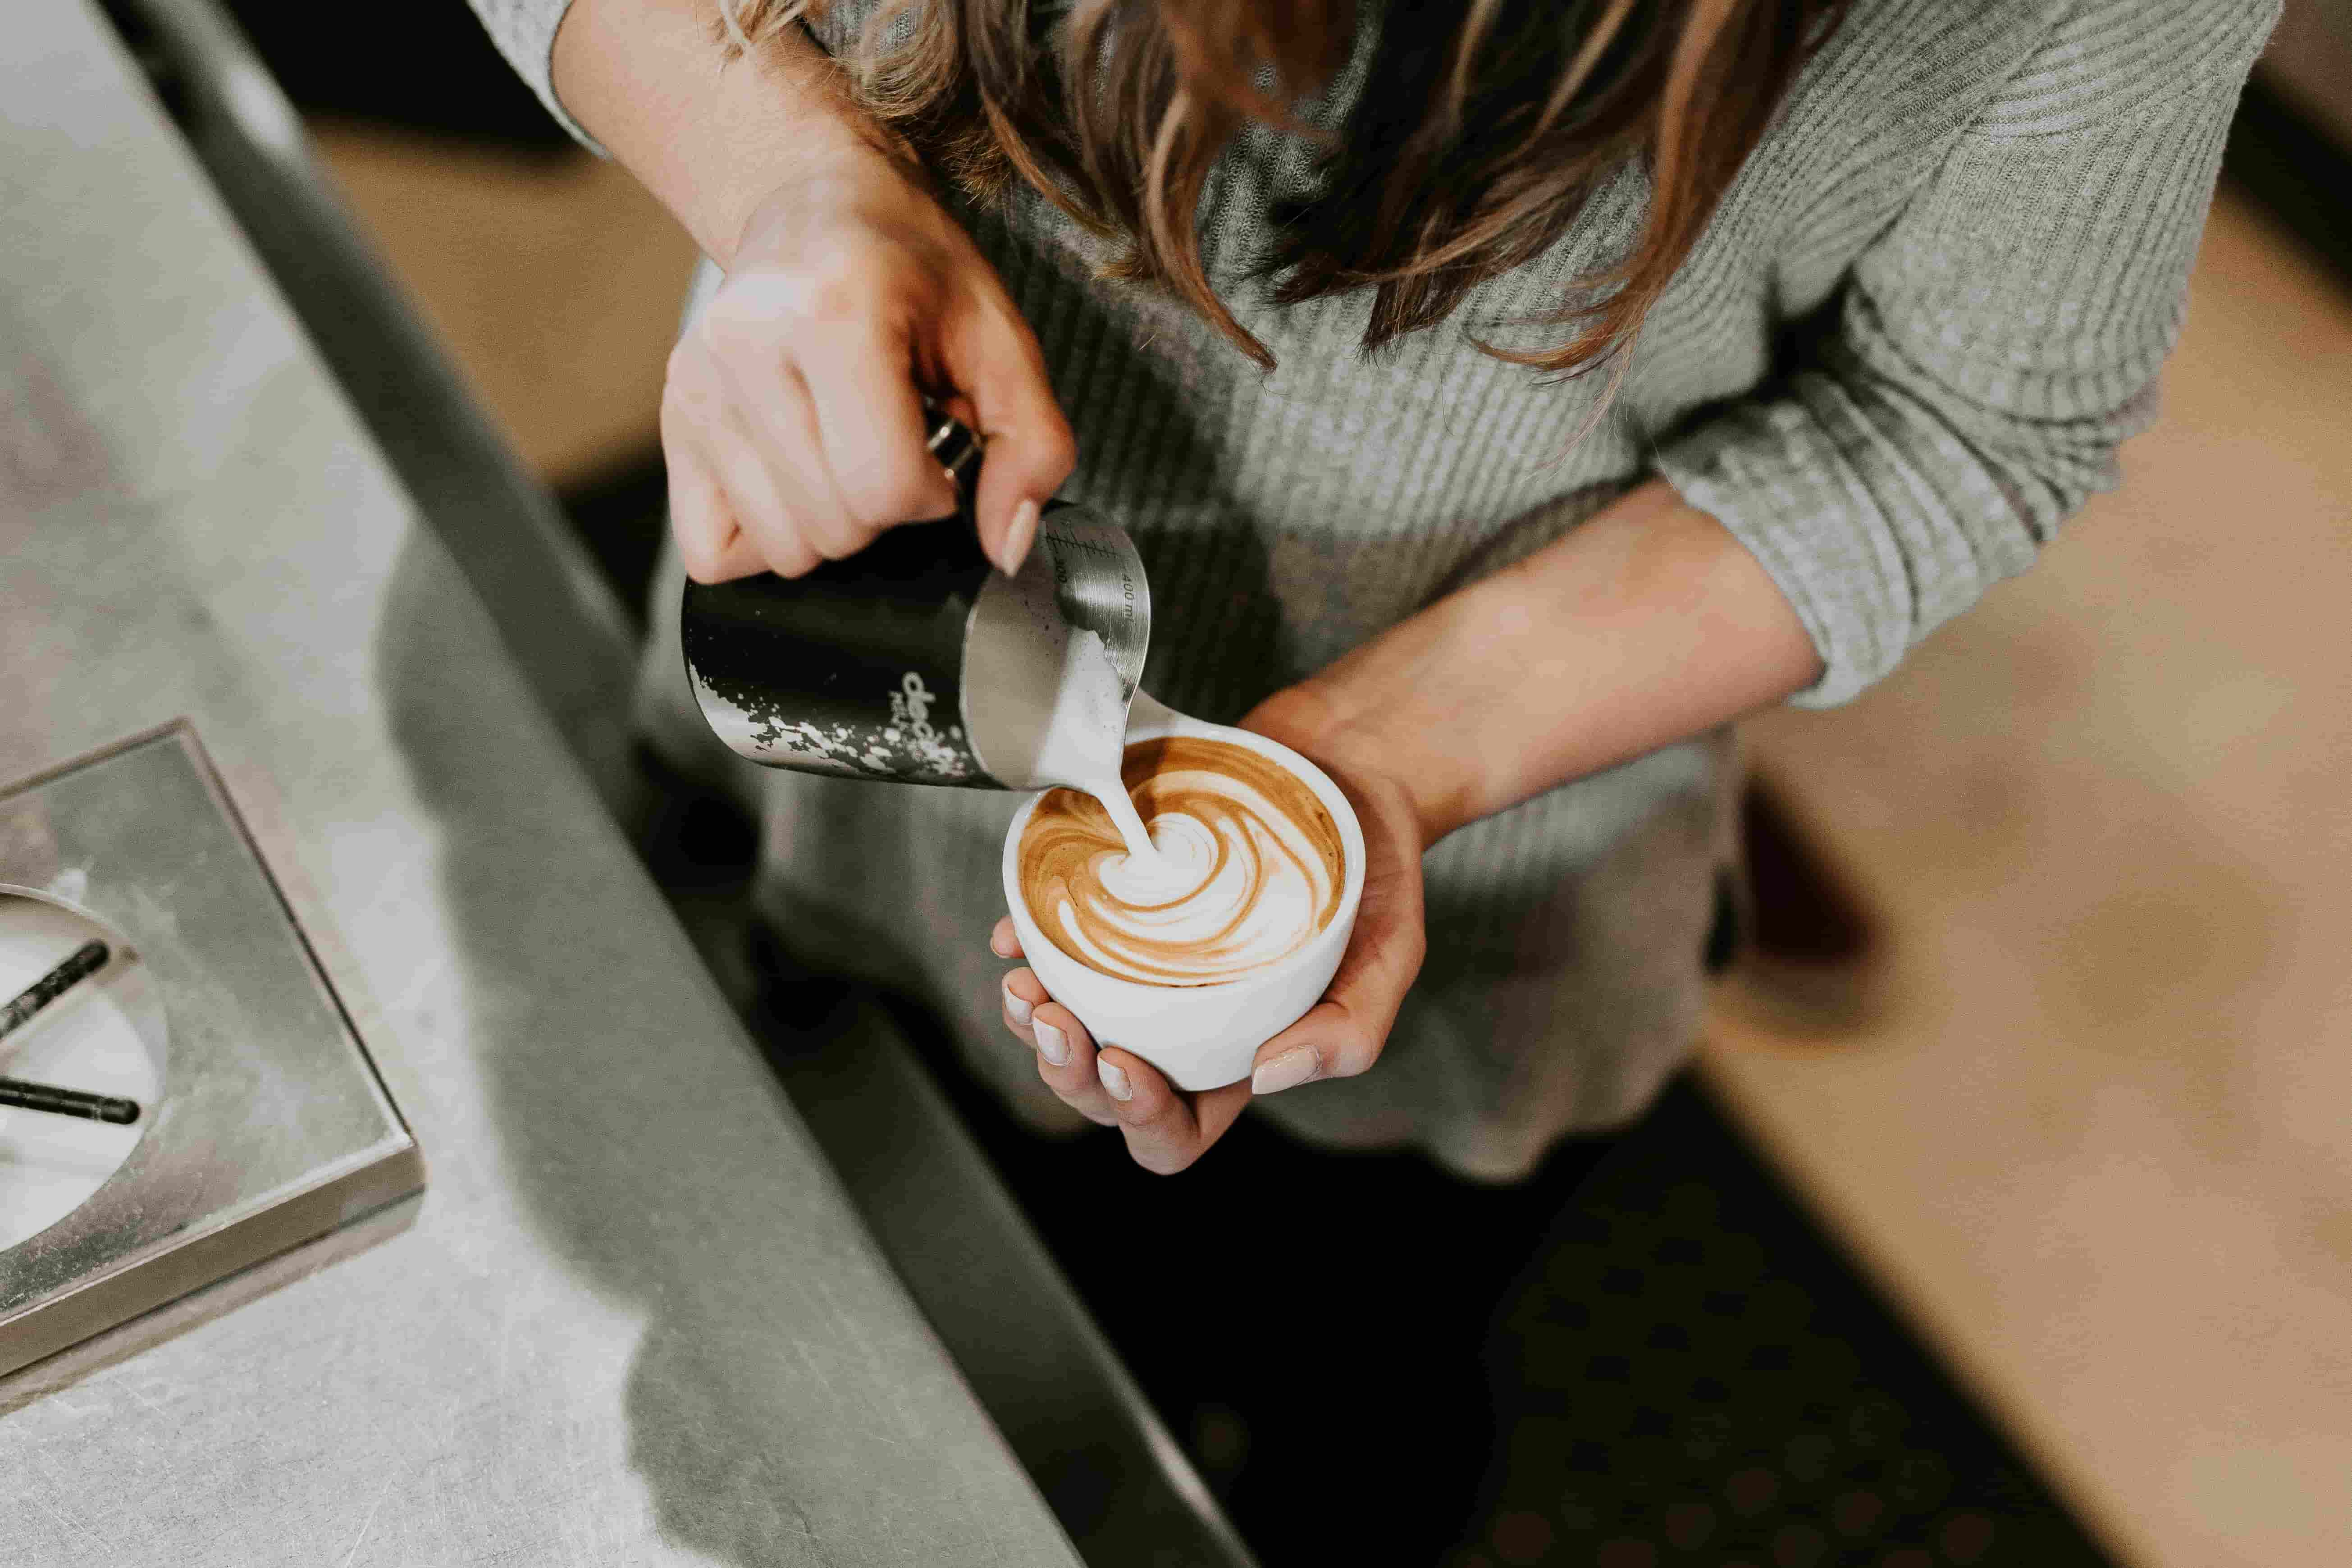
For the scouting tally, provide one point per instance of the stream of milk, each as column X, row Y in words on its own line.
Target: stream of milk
column 1048, row 699
column 1086, row 740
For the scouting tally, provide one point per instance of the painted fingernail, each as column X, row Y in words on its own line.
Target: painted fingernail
column 1114, row 1079
column 1053, row 1045
column 1289, row 1070
column 1015, row 1006
column 1018, row 537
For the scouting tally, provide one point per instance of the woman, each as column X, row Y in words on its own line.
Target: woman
column 1504, row 397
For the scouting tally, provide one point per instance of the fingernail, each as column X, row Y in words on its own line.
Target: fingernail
column 1018, row 538
column 1053, row 1045
column 1019, row 1009
column 1114, row 1079
column 1289, row 1070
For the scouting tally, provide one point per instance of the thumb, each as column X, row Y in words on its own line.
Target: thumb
column 1343, row 1034
column 1029, row 448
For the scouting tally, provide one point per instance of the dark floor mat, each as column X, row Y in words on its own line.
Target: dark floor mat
column 1307, row 1323
column 1688, row 1374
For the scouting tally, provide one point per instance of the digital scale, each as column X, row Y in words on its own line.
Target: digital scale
column 183, row 1097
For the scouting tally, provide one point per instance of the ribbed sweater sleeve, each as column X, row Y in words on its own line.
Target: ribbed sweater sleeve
column 524, row 31
column 1994, row 347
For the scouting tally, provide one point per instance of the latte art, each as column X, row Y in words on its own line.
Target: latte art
column 1250, row 866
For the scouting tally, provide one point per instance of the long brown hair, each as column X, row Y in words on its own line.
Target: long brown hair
column 1480, row 132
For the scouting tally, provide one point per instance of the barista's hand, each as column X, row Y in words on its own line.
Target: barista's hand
column 1166, row 1128
column 792, row 421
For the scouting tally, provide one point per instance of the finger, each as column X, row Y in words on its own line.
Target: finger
column 993, row 358
column 1005, row 942
column 710, row 538
column 760, row 506
column 1065, row 1062
column 710, row 542
column 740, row 353
column 870, row 425
column 1342, row 1035
column 781, row 426
column 1165, row 1130
column 1066, row 1052
column 748, row 339
column 740, row 557
column 1022, row 991
column 1336, row 1038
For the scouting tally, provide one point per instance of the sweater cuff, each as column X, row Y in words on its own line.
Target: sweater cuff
column 1770, row 474
column 524, row 31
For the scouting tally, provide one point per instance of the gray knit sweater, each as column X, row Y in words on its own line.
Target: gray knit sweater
column 1928, row 311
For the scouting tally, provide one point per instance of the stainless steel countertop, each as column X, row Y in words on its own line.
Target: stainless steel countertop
column 636, row 1322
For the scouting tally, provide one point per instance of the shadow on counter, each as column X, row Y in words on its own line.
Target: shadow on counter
column 755, row 1443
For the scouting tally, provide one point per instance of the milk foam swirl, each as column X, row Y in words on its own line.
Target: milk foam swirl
column 1251, row 868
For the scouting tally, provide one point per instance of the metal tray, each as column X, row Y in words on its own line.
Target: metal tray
column 272, row 1129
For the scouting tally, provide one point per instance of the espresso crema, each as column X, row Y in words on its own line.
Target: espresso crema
column 1250, row 866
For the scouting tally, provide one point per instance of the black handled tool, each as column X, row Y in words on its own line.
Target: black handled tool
column 58, row 1101
column 79, row 964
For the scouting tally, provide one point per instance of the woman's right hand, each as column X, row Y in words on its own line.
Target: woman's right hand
column 792, row 421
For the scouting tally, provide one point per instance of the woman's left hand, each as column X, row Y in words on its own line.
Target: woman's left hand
column 1644, row 624
column 1166, row 1128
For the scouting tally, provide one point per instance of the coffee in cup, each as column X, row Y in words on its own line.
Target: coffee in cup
column 1193, row 978
column 1250, row 866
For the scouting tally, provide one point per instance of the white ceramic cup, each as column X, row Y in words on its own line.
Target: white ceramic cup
column 1200, row 1036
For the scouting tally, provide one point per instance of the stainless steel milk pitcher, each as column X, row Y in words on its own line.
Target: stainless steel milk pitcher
column 915, row 659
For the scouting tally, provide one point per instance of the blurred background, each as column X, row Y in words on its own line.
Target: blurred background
column 2007, row 1219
